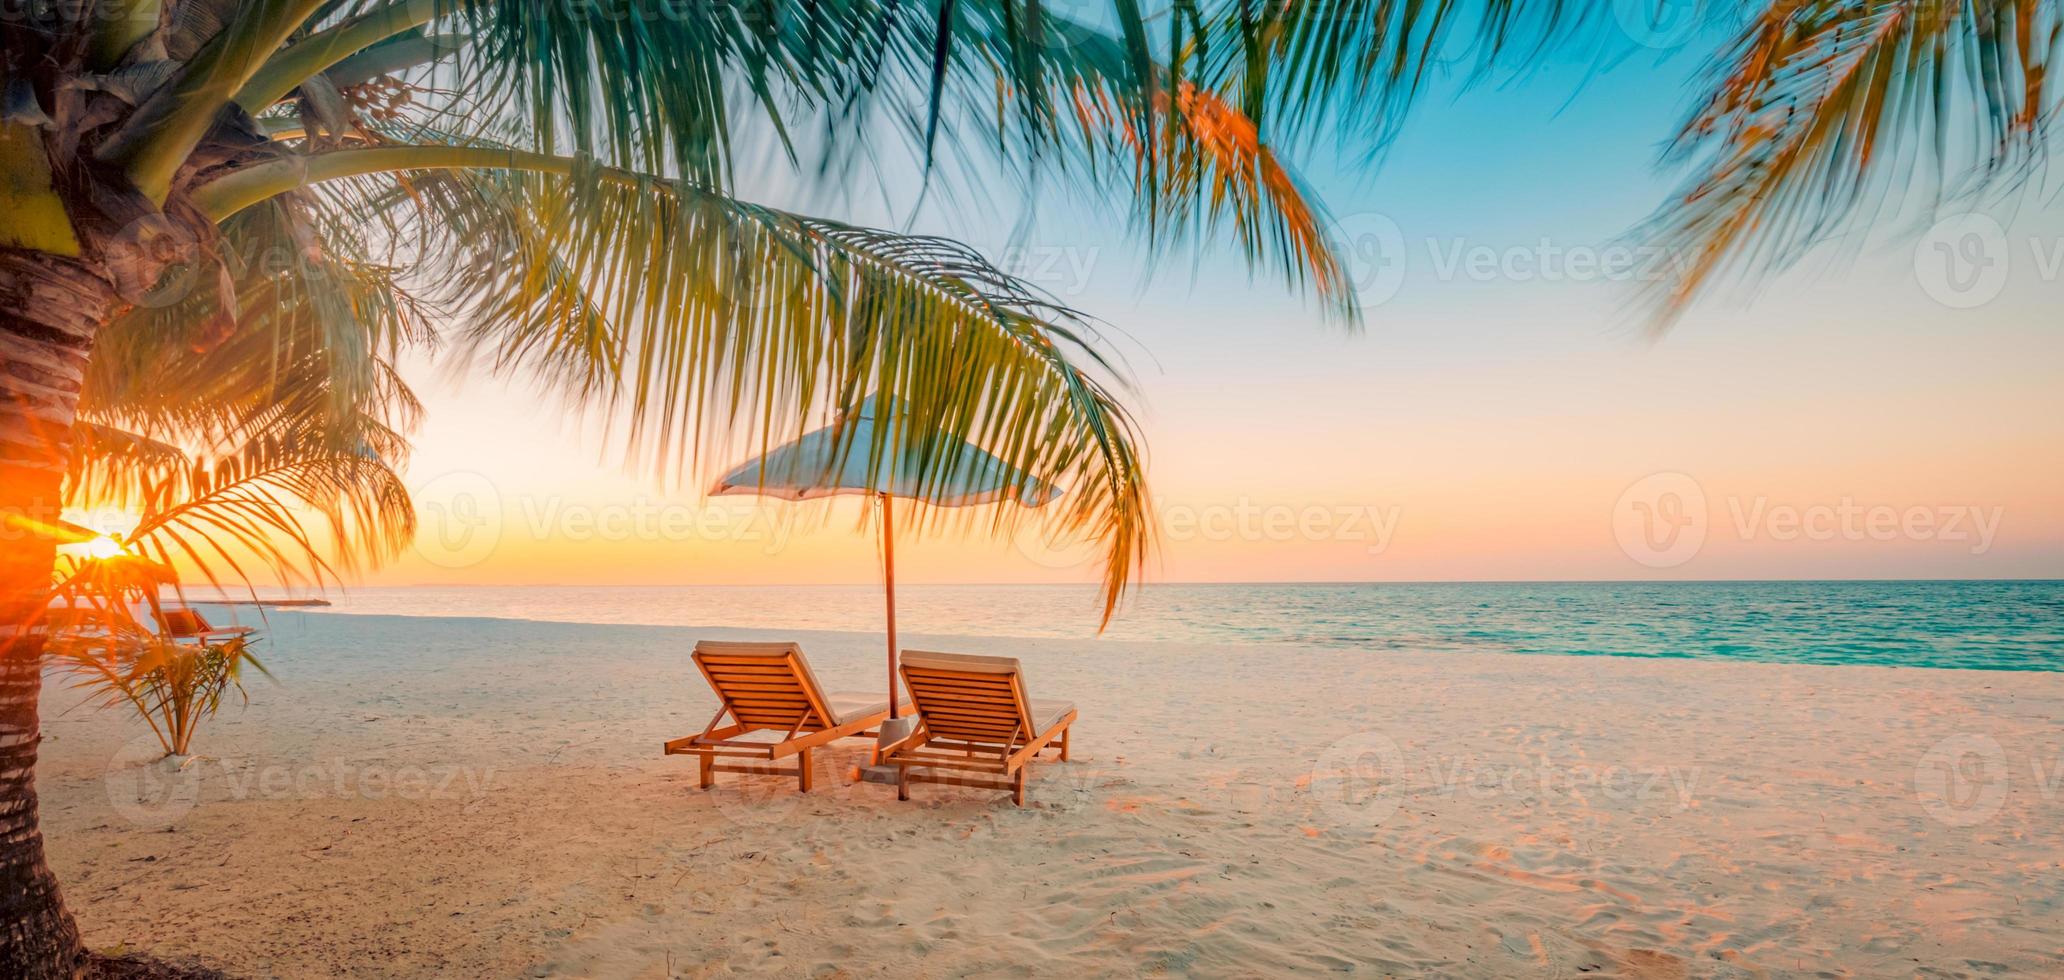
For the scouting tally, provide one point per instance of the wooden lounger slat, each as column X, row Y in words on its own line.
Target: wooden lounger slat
column 978, row 709
column 744, row 672
column 1002, row 701
column 982, row 682
column 736, row 689
column 959, row 726
column 996, row 712
column 961, row 763
column 1005, row 709
column 961, row 675
column 938, row 721
column 974, row 735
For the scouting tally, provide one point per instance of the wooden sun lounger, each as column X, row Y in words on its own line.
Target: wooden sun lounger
column 768, row 687
column 177, row 623
column 187, row 623
column 974, row 718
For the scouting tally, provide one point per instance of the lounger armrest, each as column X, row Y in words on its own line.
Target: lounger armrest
column 888, row 747
column 231, row 632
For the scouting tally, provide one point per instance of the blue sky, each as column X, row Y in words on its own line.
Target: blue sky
column 1501, row 420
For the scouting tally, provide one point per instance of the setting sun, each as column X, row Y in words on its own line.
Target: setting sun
column 101, row 547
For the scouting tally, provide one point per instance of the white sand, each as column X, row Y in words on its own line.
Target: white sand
column 487, row 798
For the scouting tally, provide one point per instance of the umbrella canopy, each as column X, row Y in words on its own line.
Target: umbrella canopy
column 841, row 459
column 863, row 454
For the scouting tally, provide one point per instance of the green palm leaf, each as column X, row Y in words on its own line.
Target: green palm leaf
column 701, row 316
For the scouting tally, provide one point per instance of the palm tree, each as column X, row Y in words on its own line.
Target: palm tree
column 229, row 215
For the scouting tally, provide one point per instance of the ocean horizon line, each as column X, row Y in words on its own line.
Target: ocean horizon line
column 1197, row 582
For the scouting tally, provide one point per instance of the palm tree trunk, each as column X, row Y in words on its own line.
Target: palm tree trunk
column 50, row 310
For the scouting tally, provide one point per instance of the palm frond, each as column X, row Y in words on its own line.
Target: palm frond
column 692, row 316
column 111, row 464
column 1054, row 94
column 640, row 83
column 312, row 343
column 263, row 503
column 1355, row 66
column 1821, row 108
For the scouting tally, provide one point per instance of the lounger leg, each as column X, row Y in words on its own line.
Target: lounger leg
column 1018, row 787
column 1064, row 743
column 902, row 782
column 709, row 775
column 803, row 770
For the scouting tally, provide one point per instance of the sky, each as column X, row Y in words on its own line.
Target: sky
column 1500, row 416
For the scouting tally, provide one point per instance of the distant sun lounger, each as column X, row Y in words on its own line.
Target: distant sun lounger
column 183, row 622
column 768, row 687
column 187, row 623
column 974, row 717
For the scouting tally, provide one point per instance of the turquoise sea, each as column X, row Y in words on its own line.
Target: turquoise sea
column 1983, row 625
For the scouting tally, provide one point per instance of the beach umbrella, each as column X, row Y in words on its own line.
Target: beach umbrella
column 864, row 454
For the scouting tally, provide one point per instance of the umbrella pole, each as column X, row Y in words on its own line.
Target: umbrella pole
column 888, row 537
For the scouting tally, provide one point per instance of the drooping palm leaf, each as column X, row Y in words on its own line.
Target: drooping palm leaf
column 112, row 464
column 216, row 514
column 698, row 315
column 1821, row 110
